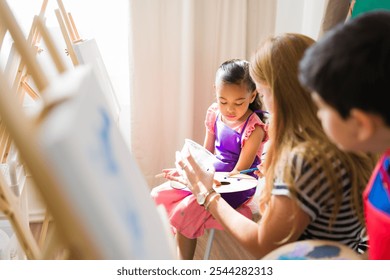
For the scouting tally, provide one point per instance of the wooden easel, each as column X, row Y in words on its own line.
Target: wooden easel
column 33, row 39
column 68, row 30
column 70, row 235
column 20, row 79
column 13, row 201
column 101, row 206
column 74, row 42
column 9, row 203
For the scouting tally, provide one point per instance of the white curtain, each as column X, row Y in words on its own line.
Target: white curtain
column 175, row 48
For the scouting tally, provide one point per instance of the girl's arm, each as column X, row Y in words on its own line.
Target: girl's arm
column 249, row 150
column 209, row 141
column 276, row 224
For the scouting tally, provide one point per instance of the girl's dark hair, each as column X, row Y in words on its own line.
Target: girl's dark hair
column 236, row 71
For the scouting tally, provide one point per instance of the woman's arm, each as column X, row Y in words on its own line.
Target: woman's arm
column 274, row 227
column 259, row 239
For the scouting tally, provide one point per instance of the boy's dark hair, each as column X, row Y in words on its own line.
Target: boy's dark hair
column 349, row 67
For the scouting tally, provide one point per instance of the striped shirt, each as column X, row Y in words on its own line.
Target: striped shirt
column 315, row 198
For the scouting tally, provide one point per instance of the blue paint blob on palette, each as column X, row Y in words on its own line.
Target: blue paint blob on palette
column 324, row 251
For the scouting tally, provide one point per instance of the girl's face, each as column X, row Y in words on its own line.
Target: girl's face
column 340, row 131
column 233, row 101
column 265, row 94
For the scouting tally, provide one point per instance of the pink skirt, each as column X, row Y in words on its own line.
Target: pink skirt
column 185, row 214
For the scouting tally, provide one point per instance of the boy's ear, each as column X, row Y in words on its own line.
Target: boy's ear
column 365, row 122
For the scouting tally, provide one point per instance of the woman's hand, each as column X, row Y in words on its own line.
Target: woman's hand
column 199, row 180
column 260, row 170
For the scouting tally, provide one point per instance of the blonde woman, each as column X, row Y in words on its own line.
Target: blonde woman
column 312, row 189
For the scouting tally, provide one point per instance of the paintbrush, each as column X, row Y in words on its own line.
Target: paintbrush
column 248, row 170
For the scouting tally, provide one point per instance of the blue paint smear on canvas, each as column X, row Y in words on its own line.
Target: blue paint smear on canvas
column 128, row 213
column 107, row 149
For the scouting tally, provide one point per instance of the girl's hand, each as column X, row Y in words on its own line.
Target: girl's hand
column 233, row 172
column 173, row 175
column 260, row 172
column 199, row 180
column 170, row 172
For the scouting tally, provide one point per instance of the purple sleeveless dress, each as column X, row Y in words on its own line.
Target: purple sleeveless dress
column 227, row 152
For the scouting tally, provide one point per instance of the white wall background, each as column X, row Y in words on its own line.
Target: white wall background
column 302, row 16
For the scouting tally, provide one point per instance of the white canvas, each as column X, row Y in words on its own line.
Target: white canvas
column 88, row 53
column 103, row 182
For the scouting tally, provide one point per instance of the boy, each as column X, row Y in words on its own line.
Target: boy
column 348, row 71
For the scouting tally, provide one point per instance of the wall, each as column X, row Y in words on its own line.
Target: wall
column 300, row 16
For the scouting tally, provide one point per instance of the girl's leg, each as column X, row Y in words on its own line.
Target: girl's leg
column 185, row 247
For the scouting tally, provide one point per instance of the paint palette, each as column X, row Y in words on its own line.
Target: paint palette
column 236, row 183
column 313, row 250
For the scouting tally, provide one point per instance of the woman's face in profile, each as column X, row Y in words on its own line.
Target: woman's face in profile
column 265, row 94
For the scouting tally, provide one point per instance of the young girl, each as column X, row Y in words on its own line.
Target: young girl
column 235, row 133
column 235, row 130
column 312, row 189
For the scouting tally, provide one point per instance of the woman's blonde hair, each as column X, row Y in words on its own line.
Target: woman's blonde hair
column 295, row 127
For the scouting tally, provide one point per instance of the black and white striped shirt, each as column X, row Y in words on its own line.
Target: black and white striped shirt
column 315, row 198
